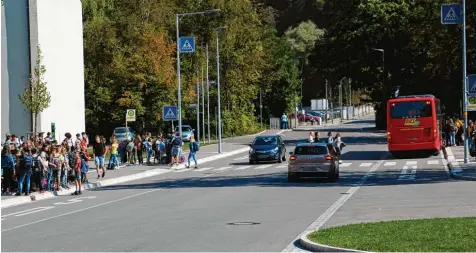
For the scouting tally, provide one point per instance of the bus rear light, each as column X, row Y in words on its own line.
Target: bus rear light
column 292, row 158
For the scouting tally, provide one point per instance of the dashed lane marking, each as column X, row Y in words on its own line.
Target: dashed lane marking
column 365, row 164
column 345, row 164
column 263, row 167
column 390, row 164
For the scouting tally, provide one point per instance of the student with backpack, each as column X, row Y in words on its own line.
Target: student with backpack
column 26, row 166
column 77, row 172
column 8, row 168
column 84, row 166
column 193, row 147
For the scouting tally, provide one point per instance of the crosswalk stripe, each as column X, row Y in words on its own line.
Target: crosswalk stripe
column 390, row 164
column 365, row 164
column 222, row 169
column 240, row 158
column 242, row 167
column 182, row 170
column 345, row 164
column 433, row 162
column 263, row 167
column 282, row 166
column 204, row 169
column 411, row 163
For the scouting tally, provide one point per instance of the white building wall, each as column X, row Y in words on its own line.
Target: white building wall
column 15, row 67
column 60, row 36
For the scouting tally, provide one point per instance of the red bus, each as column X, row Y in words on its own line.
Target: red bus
column 414, row 123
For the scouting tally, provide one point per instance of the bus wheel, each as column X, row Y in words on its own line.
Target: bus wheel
column 436, row 153
column 396, row 155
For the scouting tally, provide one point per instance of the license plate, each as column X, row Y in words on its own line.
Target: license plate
column 308, row 169
column 412, row 139
column 263, row 156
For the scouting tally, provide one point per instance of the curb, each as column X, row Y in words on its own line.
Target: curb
column 454, row 167
column 317, row 247
column 20, row 200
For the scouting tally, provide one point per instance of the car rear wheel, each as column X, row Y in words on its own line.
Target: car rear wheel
column 334, row 174
column 284, row 157
column 252, row 162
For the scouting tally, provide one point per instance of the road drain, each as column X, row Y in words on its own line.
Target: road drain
column 243, row 223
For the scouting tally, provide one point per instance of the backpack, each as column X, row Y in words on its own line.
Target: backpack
column 84, row 166
column 154, row 146
column 37, row 165
column 196, row 146
column 452, row 128
column 71, row 160
column 27, row 161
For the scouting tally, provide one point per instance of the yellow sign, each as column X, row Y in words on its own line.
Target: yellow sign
column 412, row 122
column 472, row 103
column 131, row 115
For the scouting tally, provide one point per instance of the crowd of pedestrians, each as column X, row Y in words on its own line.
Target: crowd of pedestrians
column 44, row 164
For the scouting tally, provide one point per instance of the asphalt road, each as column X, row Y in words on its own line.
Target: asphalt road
column 193, row 210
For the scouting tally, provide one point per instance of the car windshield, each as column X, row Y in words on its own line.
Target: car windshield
column 266, row 141
column 120, row 130
column 184, row 129
column 310, row 150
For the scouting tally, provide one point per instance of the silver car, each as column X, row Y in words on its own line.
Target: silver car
column 187, row 132
column 313, row 160
column 123, row 133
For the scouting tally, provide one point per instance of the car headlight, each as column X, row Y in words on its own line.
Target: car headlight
column 275, row 149
column 252, row 151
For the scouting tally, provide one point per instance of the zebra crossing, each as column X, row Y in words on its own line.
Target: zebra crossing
column 408, row 171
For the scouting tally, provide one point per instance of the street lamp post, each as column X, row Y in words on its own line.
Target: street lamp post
column 179, row 94
column 218, row 85
column 383, row 63
column 208, row 100
column 465, row 83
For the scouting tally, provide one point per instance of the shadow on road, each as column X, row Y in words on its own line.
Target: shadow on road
column 279, row 179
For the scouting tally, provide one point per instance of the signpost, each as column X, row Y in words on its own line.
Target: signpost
column 169, row 113
column 53, row 130
column 130, row 116
column 455, row 14
column 187, row 44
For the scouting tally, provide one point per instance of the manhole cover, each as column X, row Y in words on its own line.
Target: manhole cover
column 243, row 223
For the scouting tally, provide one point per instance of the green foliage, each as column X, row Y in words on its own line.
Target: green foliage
column 36, row 97
column 303, row 38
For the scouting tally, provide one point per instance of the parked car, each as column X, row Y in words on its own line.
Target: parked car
column 313, row 160
column 321, row 114
column 305, row 117
column 187, row 132
column 123, row 133
column 267, row 148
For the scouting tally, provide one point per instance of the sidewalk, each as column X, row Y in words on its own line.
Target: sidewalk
column 459, row 170
column 133, row 172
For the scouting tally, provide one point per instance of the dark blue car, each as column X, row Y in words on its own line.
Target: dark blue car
column 267, row 148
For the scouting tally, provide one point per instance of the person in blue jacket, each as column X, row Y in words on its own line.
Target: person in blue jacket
column 193, row 147
column 8, row 170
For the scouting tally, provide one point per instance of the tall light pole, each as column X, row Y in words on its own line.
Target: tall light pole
column 218, row 85
column 340, row 99
column 260, row 109
column 198, row 110
column 179, row 92
column 208, row 99
column 465, row 81
column 203, row 108
column 327, row 104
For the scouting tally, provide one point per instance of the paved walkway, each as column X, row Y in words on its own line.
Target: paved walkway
column 459, row 170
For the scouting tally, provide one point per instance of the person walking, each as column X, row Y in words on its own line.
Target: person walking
column 77, row 172
column 284, row 121
column 99, row 152
column 452, row 132
column 193, row 147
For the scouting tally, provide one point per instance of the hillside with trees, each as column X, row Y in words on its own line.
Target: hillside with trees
column 269, row 46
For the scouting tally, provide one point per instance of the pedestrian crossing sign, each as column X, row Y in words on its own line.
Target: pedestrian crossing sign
column 471, row 82
column 450, row 14
column 187, row 44
column 169, row 112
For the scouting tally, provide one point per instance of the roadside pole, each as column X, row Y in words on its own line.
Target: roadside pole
column 203, row 109
column 198, row 110
column 327, row 104
column 465, row 95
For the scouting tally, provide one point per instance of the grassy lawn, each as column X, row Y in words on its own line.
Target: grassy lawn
column 425, row 235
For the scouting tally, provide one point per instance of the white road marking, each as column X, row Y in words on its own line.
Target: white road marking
column 411, row 163
column 240, row 158
column 433, row 162
column 282, row 166
column 29, row 211
column 408, row 173
column 365, row 164
column 72, row 201
column 203, row 169
column 450, row 154
column 80, row 210
column 390, row 164
column 345, row 164
column 242, row 167
column 317, row 224
column 263, row 166
column 223, row 168
column 182, row 170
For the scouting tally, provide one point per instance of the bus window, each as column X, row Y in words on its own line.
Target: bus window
column 411, row 109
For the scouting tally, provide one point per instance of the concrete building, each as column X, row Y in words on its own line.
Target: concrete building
column 56, row 27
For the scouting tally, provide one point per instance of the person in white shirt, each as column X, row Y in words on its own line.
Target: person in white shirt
column 338, row 145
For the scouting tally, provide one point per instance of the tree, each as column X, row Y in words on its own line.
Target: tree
column 36, row 98
column 303, row 38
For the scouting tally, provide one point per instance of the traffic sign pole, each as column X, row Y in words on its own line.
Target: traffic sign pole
column 179, row 92
column 465, row 86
